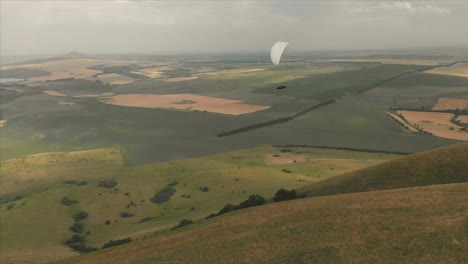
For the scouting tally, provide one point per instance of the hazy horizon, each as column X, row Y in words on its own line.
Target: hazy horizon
column 158, row 27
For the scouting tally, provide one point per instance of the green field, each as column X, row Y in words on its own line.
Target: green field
column 230, row 177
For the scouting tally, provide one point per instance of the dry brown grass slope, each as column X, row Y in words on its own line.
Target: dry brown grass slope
column 411, row 225
column 438, row 166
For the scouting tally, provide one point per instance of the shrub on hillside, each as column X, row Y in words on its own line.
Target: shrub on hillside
column 77, row 227
column 67, row 201
column 126, row 214
column 113, row 243
column 107, row 184
column 182, row 223
column 80, row 216
column 163, row 195
column 283, row 195
column 253, row 200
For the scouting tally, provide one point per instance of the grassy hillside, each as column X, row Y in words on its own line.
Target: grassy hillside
column 39, row 223
column 395, row 226
column 438, row 166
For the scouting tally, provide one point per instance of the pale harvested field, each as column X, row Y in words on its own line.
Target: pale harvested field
column 463, row 119
column 436, row 123
column 180, row 79
column 283, row 158
column 94, row 95
column 77, row 73
column 65, row 103
column 114, row 78
column 459, row 69
column 2, row 122
column 70, row 68
column 398, row 61
column 152, row 72
column 54, row 93
column 68, row 64
column 185, row 102
column 402, row 122
column 451, row 104
column 235, row 71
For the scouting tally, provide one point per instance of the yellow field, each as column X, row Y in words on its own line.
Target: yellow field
column 459, row 69
column 180, row 79
column 399, row 61
column 94, row 95
column 69, row 68
column 185, row 102
column 283, row 158
column 463, row 119
column 451, row 104
column 234, row 71
column 54, row 93
column 152, row 72
column 436, row 123
column 114, row 78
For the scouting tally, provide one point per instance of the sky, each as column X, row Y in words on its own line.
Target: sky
column 170, row 27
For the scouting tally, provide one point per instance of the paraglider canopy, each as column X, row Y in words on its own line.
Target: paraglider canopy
column 277, row 51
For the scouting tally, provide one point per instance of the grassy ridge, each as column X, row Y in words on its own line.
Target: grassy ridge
column 395, row 226
column 230, row 177
column 438, row 166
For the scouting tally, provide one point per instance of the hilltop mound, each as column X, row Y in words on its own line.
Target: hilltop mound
column 75, row 55
column 438, row 166
column 395, row 226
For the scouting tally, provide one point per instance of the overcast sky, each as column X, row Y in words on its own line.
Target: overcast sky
column 158, row 27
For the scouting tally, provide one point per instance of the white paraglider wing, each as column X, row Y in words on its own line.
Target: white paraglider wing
column 277, row 51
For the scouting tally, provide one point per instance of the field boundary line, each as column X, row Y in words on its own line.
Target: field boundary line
column 274, row 121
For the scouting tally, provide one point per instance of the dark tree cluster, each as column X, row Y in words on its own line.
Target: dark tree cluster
column 284, row 195
column 113, row 243
column 253, row 200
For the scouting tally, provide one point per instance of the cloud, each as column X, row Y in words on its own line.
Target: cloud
column 209, row 26
column 418, row 8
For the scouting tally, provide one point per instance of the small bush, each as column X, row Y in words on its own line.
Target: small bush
column 80, row 216
column 182, row 223
column 163, row 195
column 113, row 243
column 283, row 195
column 174, row 183
column 77, row 227
column 286, row 171
column 204, row 189
column 12, row 198
column 67, row 201
column 126, row 214
column 107, row 184
column 286, row 150
column 73, row 182
column 107, row 222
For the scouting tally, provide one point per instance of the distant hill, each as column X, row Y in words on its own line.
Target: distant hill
column 438, row 166
column 75, row 55
column 394, row 226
